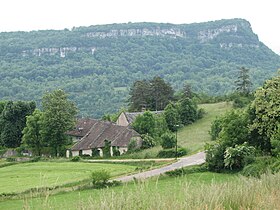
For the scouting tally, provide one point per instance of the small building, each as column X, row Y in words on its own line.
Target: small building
column 127, row 118
column 94, row 140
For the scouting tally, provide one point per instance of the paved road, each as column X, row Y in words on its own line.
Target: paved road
column 195, row 159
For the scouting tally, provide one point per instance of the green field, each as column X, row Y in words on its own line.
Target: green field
column 194, row 136
column 137, row 196
column 194, row 191
column 22, row 177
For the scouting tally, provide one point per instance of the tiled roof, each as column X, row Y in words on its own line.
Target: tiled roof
column 82, row 127
column 101, row 131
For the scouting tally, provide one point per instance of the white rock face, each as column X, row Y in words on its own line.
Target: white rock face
column 62, row 51
column 171, row 32
column 210, row 34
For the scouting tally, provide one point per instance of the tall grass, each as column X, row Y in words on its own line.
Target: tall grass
column 242, row 193
column 246, row 193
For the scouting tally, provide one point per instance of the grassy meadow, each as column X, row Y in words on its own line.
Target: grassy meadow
column 194, row 136
column 194, row 191
column 21, row 177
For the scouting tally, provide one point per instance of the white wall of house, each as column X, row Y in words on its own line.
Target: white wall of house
column 122, row 121
column 75, row 153
column 87, row 152
column 122, row 150
column 100, row 152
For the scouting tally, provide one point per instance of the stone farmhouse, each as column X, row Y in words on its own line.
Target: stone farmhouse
column 90, row 136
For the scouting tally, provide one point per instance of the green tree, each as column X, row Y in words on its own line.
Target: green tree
column 172, row 117
column 187, row 110
column 152, row 94
column 32, row 133
column 59, row 117
column 162, row 93
column 168, row 140
column 243, row 81
column 140, row 96
column 267, row 112
column 13, row 120
column 145, row 124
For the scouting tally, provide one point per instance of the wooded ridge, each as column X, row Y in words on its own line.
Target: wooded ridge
column 96, row 65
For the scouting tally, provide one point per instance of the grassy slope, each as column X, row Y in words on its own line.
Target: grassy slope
column 21, row 177
column 193, row 137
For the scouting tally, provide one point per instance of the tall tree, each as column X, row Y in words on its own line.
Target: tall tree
column 172, row 116
column 267, row 112
column 152, row 94
column 13, row 120
column 243, row 81
column 162, row 93
column 32, row 133
column 145, row 123
column 187, row 111
column 59, row 116
column 140, row 95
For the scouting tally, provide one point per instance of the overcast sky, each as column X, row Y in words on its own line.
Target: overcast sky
column 27, row 15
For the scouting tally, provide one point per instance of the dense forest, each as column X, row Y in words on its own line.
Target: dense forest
column 96, row 65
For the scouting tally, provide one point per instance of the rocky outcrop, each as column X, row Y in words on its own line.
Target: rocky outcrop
column 62, row 51
column 171, row 32
column 210, row 34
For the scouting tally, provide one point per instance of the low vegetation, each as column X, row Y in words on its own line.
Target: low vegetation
column 25, row 176
column 203, row 190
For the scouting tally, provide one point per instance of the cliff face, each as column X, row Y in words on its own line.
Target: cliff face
column 97, row 64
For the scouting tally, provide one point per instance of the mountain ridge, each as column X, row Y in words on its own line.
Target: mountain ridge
column 97, row 64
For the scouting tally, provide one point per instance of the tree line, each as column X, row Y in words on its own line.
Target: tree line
column 22, row 125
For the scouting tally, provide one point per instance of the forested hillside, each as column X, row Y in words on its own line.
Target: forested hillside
column 96, row 65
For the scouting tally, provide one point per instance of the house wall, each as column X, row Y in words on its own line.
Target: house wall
column 75, row 153
column 122, row 121
column 122, row 150
column 87, row 152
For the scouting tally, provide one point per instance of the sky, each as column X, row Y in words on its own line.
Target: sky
column 27, row 15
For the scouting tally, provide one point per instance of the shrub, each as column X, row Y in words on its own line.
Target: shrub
column 187, row 170
column 262, row 165
column 76, row 159
column 236, row 157
column 11, row 159
column 132, row 146
column 35, row 159
column 100, row 178
column 215, row 156
column 216, row 128
column 171, row 153
column 168, row 140
column 148, row 141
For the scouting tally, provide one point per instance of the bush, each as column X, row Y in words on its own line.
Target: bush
column 237, row 157
column 262, row 165
column 216, row 128
column 132, row 146
column 168, row 140
column 171, row 153
column 215, row 156
column 148, row 141
column 76, row 159
column 187, row 170
column 35, row 159
column 100, row 178
column 11, row 159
